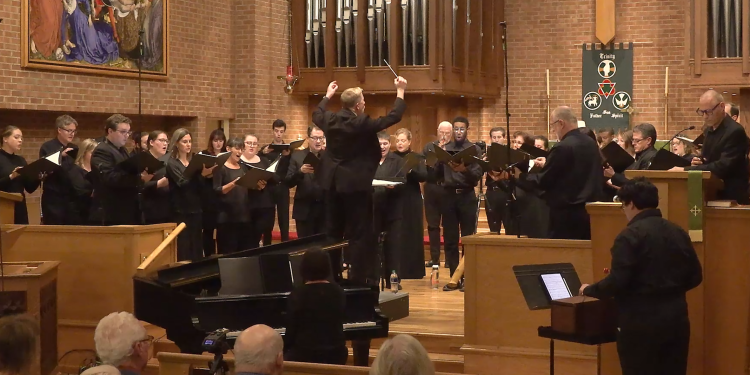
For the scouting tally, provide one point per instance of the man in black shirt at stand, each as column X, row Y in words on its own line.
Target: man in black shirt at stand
column 459, row 208
column 653, row 266
column 644, row 136
column 725, row 149
column 571, row 176
column 57, row 189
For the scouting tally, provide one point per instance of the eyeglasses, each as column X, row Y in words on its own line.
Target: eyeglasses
column 460, row 130
column 636, row 141
column 703, row 112
column 69, row 131
column 125, row 132
column 553, row 123
column 317, row 139
column 149, row 339
column 162, row 140
column 251, row 144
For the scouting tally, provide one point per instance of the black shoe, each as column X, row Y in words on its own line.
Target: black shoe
column 450, row 288
column 446, row 265
column 462, row 288
column 429, row 264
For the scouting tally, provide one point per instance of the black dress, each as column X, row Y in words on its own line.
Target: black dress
column 156, row 200
column 262, row 209
column 9, row 162
column 185, row 203
column 82, row 189
column 233, row 211
column 315, row 324
column 411, row 243
column 209, row 201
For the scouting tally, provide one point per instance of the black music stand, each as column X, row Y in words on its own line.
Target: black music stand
column 530, row 281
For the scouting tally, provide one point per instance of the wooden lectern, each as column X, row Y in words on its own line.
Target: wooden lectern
column 8, row 206
column 31, row 288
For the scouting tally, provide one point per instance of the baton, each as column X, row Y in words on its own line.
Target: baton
column 389, row 67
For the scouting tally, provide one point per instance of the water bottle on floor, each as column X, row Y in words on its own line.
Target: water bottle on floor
column 434, row 277
column 394, row 282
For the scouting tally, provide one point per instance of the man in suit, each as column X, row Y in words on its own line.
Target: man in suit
column 497, row 189
column 347, row 169
column 279, row 192
column 433, row 194
column 725, row 149
column 571, row 176
column 308, row 211
column 57, row 194
column 116, row 189
column 644, row 136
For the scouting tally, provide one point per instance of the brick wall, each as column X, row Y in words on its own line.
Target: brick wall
column 542, row 34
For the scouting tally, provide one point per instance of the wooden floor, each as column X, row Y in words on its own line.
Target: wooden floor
column 432, row 311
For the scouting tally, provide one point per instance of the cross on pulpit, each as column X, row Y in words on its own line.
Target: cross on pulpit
column 605, row 21
column 695, row 210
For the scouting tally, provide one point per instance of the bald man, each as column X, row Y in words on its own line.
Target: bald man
column 259, row 350
column 433, row 193
column 725, row 149
column 571, row 176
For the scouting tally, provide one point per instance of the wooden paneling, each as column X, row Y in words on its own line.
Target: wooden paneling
column 605, row 20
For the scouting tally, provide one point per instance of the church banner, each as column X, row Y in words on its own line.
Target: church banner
column 607, row 92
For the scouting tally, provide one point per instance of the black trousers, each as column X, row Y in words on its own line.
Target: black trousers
column 654, row 349
column 349, row 216
column 314, row 222
column 54, row 211
column 261, row 225
column 209, row 225
column 280, row 197
column 494, row 208
column 459, row 210
column 390, row 259
column 232, row 237
column 432, row 198
column 189, row 244
column 569, row 223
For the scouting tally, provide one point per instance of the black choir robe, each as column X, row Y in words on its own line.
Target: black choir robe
column 58, row 194
column 388, row 215
column 411, row 252
column 83, row 189
column 9, row 162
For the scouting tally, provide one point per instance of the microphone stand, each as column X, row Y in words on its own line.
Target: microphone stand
column 141, row 184
column 676, row 135
column 512, row 202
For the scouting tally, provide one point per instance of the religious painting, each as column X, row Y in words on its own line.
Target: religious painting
column 110, row 37
column 607, row 86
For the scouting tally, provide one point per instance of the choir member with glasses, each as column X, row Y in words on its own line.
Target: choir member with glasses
column 644, row 136
column 683, row 149
column 433, row 194
column 10, row 180
column 81, row 179
column 216, row 145
column 308, row 211
column 57, row 190
column 260, row 200
column 155, row 193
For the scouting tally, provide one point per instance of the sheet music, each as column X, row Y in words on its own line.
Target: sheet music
column 384, row 183
column 556, row 286
column 55, row 158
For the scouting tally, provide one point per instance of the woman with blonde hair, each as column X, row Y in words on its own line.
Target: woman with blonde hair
column 10, row 180
column 83, row 189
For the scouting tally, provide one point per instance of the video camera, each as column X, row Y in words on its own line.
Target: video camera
column 216, row 343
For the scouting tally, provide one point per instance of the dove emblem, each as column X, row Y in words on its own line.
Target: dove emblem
column 621, row 100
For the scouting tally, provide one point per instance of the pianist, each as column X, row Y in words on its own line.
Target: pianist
column 316, row 313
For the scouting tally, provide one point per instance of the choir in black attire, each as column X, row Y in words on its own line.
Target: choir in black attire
column 209, row 199
column 261, row 208
column 156, row 200
column 185, row 207
column 644, row 157
column 387, row 213
column 308, row 211
column 82, row 189
column 433, row 199
column 57, row 191
column 279, row 191
column 411, row 239
column 8, row 163
column 233, row 207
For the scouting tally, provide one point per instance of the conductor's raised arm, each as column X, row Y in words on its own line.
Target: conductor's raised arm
column 320, row 117
column 394, row 116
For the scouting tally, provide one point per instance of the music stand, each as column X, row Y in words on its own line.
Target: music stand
column 529, row 279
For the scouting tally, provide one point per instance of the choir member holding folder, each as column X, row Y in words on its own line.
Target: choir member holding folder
column 260, row 201
column 57, row 190
column 184, row 194
column 644, row 136
column 10, row 180
column 233, row 216
column 411, row 252
column 216, row 145
column 117, row 178
column 81, row 180
column 387, row 207
column 155, row 193
column 308, row 211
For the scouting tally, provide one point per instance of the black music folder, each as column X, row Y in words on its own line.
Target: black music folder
column 198, row 161
column 465, row 156
column 534, row 151
column 541, row 283
column 44, row 165
column 697, row 142
column 312, row 160
column 617, row 157
column 665, row 160
column 253, row 175
column 287, row 146
column 497, row 156
column 411, row 160
column 142, row 161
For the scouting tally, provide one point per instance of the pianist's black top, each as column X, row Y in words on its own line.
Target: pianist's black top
column 315, row 320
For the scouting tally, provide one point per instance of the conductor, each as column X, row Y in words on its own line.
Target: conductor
column 347, row 169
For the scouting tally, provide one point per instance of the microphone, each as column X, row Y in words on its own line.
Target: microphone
column 503, row 23
column 677, row 135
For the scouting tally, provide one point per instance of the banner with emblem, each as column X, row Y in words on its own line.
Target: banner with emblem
column 607, row 92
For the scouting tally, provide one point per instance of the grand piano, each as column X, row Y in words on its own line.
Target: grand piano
column 251, row 287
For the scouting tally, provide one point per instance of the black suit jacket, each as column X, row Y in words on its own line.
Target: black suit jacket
column 725, row 153
column 58, row 194
column 115, row 190
column 308, row 191
column 352, row 151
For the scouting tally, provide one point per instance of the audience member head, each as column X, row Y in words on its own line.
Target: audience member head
column 711, row 108
column 19, row 335
column 644, row 136
column 216, row 142
column 460, row 129
column 315, row 138
column 637, row 195
column 733, row 110
column 541, row 142
column 12, row 139
column 682, row 148
column 122, row 341
column 236, row 146
column 385, row 143
column 353, row 100
column 66, row 129
column 118, row 129
column 158, row 142
column 182, row 144
column 625, row 140
column 563, row 121
column 403, row 140
column 607, row 135
column 85, row 150
column 445, row 132
column 251, row 146
column 259, row 349
column 402, row 355
column 279, row 128
column 497, row 135
column 316, row 265
column 520, row 138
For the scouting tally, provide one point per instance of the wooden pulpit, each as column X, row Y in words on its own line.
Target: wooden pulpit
column 8, row 206
column 31, row 288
